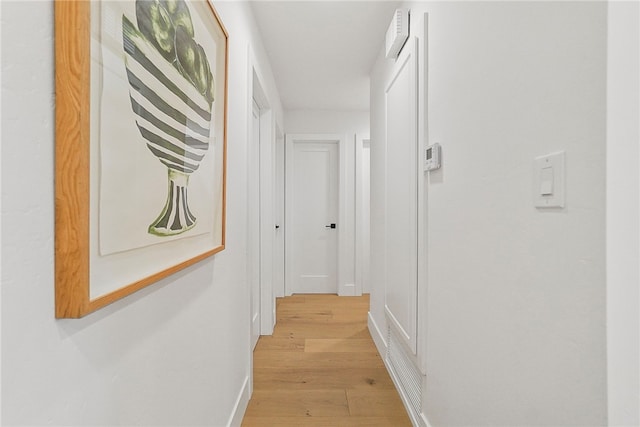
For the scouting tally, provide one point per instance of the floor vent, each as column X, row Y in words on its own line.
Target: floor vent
column 405, row 371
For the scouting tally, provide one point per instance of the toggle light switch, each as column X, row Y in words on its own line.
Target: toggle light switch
column 548, row 177
column 546, row 182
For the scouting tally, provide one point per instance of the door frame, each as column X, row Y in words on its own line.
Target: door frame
column 268, row 125
column 279, row 211
column 361, row 141
column 343, row 288
column 253, row 225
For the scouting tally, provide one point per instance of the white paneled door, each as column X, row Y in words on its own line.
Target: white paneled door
column 401, row 188
column 313, row 177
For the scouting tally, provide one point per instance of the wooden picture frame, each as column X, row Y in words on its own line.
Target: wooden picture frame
column 84, row 246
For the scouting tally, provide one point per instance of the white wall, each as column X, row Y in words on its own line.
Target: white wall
column 327, row 121
column 348, row 123
column 623, row 213
column 176, row 353
column 515, row 313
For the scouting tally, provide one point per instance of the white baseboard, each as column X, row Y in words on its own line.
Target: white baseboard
column 379, row 339
column 240, row 406
column 418, row 420
column 425, row 421
column 348, row 290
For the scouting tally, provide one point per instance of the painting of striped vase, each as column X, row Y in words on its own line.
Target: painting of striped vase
column 174, row 120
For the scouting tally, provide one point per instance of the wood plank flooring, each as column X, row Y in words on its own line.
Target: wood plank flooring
column 321, row 368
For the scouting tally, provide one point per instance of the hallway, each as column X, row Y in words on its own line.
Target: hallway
column 321, row 368
column 495, row 309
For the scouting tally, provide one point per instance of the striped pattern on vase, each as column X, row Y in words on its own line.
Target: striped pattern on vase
column 173, row 118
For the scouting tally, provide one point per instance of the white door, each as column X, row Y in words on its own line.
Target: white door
column 314, row 223
column 253, row 229
column 401, row 188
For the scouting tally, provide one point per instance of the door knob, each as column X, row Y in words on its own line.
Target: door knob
column 330, row 226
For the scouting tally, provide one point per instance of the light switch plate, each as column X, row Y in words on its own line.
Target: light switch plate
column 548, row 181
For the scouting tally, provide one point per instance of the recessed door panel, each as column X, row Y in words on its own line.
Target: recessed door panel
column 401, row 103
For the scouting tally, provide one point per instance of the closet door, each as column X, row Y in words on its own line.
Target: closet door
column 401, row 105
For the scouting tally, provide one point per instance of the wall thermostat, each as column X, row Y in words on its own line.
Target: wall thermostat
column 432, row 157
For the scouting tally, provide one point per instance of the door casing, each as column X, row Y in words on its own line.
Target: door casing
column 362, row 214
column 253, row 222
column 265, row 198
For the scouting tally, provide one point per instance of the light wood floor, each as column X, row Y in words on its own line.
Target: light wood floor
column 321, row 368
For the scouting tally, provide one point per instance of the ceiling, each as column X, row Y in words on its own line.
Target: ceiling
column 321, row 52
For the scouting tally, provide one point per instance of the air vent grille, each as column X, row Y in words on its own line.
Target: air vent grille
column 397, row 33
column 405, row 371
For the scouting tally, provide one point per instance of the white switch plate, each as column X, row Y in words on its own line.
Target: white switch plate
column 548, row 181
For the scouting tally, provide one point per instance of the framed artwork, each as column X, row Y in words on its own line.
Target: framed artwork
column 141, row 102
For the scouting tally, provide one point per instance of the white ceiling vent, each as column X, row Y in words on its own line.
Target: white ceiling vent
column 398, row 33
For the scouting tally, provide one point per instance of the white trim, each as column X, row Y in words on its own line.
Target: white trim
column 267, row 223
column 346, row 216
column 257, row 94
column 349, row 290
column 424, row 420
column 413, row 416
column 423, row 194
column 417, row 419
column 1, row 210
column 279, row 173
column 379, row 339
column 361, row 141
column 240, row 406
column 343, row 226
column 400, row 331
column 251, row 107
